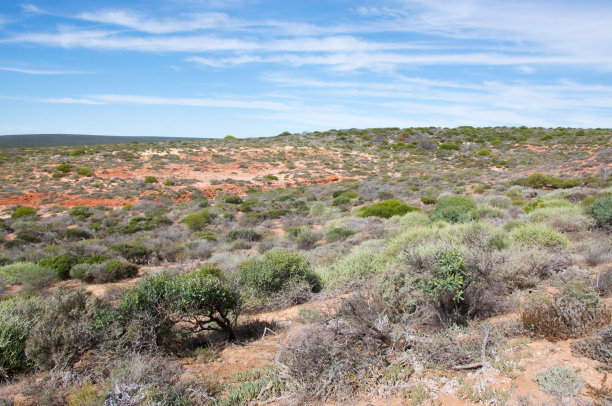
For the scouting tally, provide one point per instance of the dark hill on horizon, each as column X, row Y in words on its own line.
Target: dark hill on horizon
column 58, row 140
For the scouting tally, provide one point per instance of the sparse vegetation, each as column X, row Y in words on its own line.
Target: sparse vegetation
column 397, row 247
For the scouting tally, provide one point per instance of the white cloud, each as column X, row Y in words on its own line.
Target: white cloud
column 173, row 101
column 39, row 71
column 136, row 21
column 31, row 8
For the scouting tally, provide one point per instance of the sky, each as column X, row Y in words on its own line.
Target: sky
column 250, row 68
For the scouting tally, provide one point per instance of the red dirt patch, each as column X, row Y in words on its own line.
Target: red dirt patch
column 29, row 199
column 90, row 201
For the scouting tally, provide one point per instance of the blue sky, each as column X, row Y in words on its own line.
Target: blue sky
column 257, row 68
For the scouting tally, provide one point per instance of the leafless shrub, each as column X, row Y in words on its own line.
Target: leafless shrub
column 338, row 358
column 201, row 249
column 597, row 253
column 597, row 347
column 563, row 318
column 603, row 283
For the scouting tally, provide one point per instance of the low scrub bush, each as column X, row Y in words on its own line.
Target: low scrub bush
column 198, row 301
column 338, row 234
column 233, row 199
column 386, row 209
column 318, row 361
column 454, row 209
column 31, row 276
column 198, row 220
column 539, row 181
column 114, row 270
column 563, row 317
column 16, row 319
column 246, row 234
column 23, row 211
column 85, row 172
column 133, row 252
column 428, row 200
column 536, row 235
column 61, row 264
column 597, row 347
column 560, row 382
column 361, row 263
column 63, row 331
column 276, row 271
column 602, row 211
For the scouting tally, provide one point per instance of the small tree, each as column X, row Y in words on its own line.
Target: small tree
column 199, row 301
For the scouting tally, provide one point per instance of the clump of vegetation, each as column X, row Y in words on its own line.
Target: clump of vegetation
column 245, row 234
column 233, row 199
column 539, row 181
column 198, row 220
column 564, row 317
column 560, row 381
column 386, row 209
column 85, row 172
column 454, row 209
column 150, row 179
column 602, row 211
column 23, row 211
column 338, row 234
column 597, row 347
column 199, row 301
column 276, row 271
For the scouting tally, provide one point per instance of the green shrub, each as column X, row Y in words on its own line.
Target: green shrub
column 150, row 179
column 270, row 177
column 208, row 235
column 115, row 269
column 454, row 209
column 359, row 264
column 77, row 152
column 341, row 200
column 85, row 172
column 448, row 145
column 429, row 200
column 233, row 199
column 338, row 234
column 133, row 252
column 198, row 220
column 75, row 234
column 27, row 273
column 386, row 209
column 199, row 301
column 483, row 152
column 538, row 235
column 276, row 271
column 169, row 182
column 539, row 181
column 83, row 272
column 61, row 264
column 81, row 212
column 602, row 211
column 64, row 329
column 246, row 234
column 64, row 168
column 23, row 211
column 16, row 319
column 447, row 280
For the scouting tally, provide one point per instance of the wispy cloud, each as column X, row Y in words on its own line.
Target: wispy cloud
column 173, row 101
column 138, row 22
column 31, row 8
column 40, row 71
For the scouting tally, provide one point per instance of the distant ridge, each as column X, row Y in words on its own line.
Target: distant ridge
column 59, row 140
